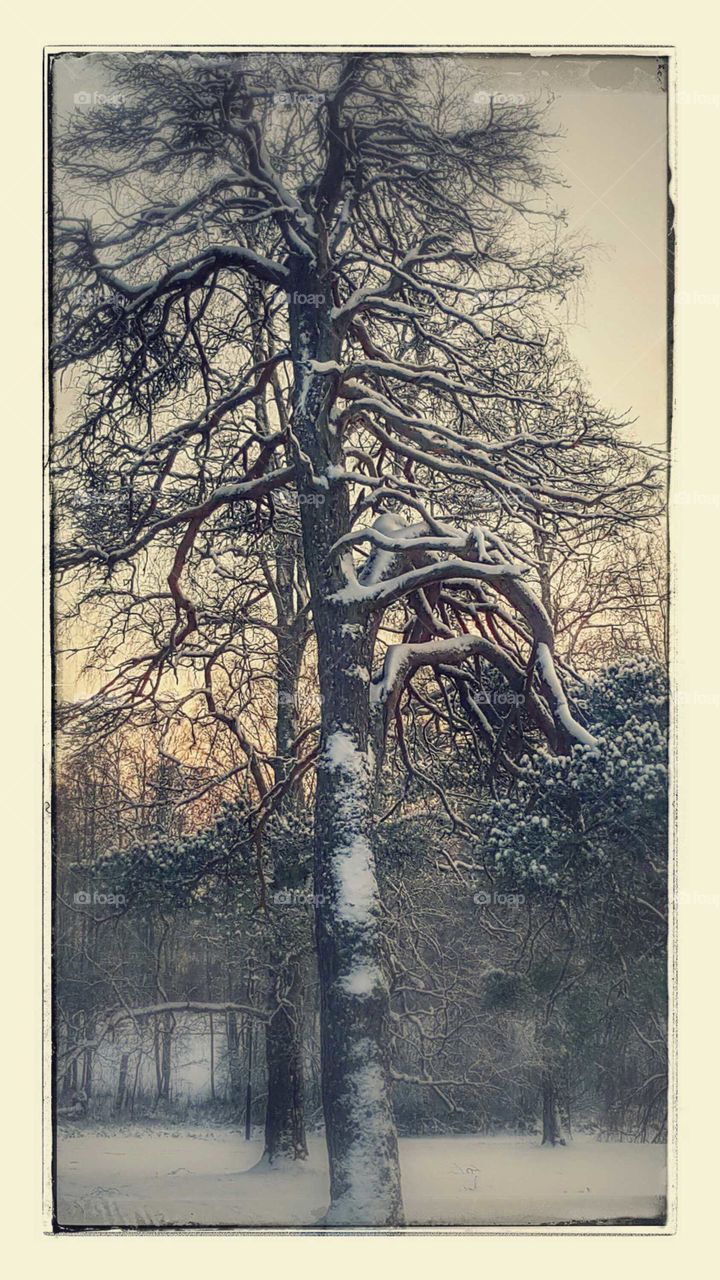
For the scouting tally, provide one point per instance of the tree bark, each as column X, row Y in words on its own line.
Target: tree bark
column 166, row 1056
column 285, row 1114
column 212, row 1058
column 284, row 1047
column 233, row 1060
column 360, row 1128
column 135, row 1084
column 87, row 1069
column 284, row 1034
column 248, row 1086
column 122, row 1082
column 552, row 1134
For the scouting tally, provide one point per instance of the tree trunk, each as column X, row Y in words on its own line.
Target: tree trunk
column 156, row 1054
column 284, row 1117
column 212, row 1059
column 87, row 1069
column 285, row 1114
column 69, row 1080
column 248, row 1087
column 165, row 1057
column 359, row 1123
column 233, row 1060
column 552, row 1128
column 284, row 1034
column 361, row 1136
column 135, row 1083
column 122, row 1082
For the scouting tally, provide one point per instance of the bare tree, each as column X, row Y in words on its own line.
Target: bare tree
column 407, row 256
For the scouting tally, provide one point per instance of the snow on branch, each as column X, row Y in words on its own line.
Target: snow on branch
column 241, row 490
column 561, row 708
column 381, row 595
column 186, row 1006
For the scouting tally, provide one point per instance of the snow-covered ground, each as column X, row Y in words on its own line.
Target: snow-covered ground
column 205, row 1177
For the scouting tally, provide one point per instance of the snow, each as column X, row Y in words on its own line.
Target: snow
column 395, row 658
column 362, row 980
column 380, row 562
column 212, row 1177
column 366, row 1198
column 547, row 666
column 358, row 673
column 354, row 873
column 341, row 753
column 353, row 865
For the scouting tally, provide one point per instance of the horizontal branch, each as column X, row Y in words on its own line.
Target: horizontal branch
column 187, row 1006
column 239, row 491
column 382, row 594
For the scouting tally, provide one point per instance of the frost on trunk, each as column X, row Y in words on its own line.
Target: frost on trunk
column 362, row 1142
column 359, row 1124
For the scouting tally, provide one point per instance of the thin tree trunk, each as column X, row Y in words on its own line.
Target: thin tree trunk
column 158, row 1065
column 87, row 1070
column 122, row 1082
column 552, row 1128
column 166, row 1057
column 284, row 1034
column 284, row 1119
column 212, row 1058
column 70, row 1039
column 250, row 1043
column 285, row 1113
column 233, row 1044
column 208, row 989
column 135, row 1084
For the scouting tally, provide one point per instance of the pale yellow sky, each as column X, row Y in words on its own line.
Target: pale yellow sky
column 615, row 158
column 611, row 111
column 612, row 114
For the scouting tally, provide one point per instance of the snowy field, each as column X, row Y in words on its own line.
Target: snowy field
column 205, row 1177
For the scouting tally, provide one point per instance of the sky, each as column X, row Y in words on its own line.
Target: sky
column 611, row 114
